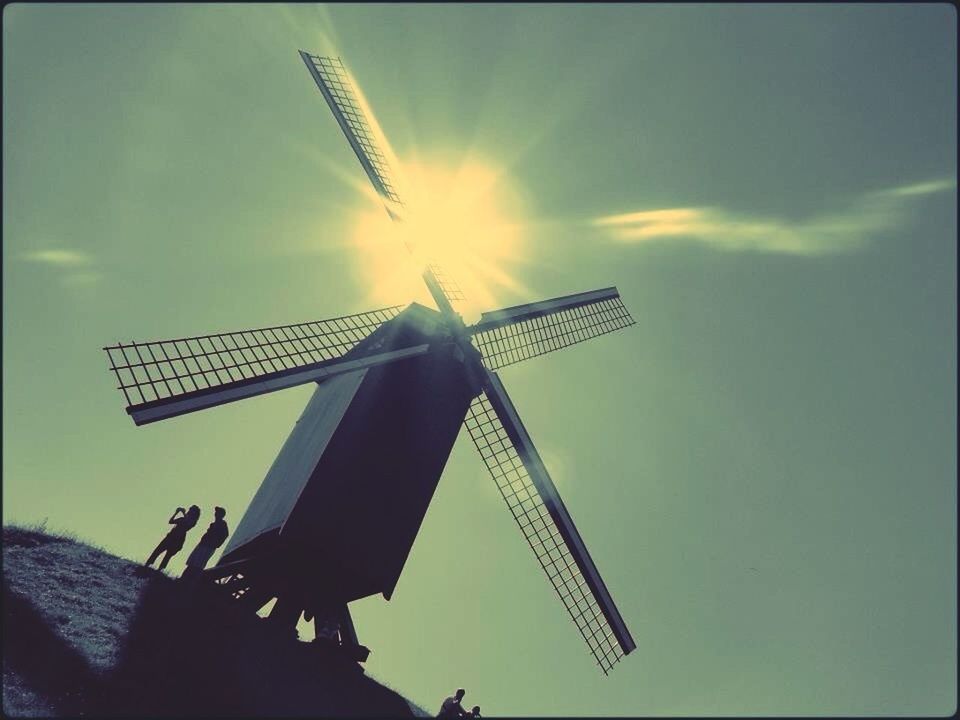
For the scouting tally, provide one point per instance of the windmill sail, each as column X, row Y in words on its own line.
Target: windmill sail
column 165, row 378
column 358, row 125
column 363, row 133
column 525, row 485
column 517, row 333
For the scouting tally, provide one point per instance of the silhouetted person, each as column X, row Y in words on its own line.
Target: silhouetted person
column 475, row 712
column 326, row 624
column 182, row 522
column 213, row 538
column 451, row 707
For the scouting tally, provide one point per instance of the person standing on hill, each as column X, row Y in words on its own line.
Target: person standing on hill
column 213, row 538
column 182, row 521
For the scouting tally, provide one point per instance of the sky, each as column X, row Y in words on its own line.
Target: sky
column 763, row 467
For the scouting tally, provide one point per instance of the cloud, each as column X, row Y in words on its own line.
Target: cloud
column 920, row 188
column 59, row 258
column 822, row 234
column 79, row 279
column 72, row 268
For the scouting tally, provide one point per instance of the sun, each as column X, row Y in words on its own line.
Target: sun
column 465, row 218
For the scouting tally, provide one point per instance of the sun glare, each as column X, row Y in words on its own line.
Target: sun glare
column 465, row 220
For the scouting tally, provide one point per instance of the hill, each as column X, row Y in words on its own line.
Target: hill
column 85, row 633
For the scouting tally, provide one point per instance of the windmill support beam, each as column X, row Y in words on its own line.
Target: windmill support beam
column 200, row 400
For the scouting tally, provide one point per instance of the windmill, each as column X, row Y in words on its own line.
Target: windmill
column 336, row 516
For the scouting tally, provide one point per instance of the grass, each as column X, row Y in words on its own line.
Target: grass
column 37, row 534
column 89, row 633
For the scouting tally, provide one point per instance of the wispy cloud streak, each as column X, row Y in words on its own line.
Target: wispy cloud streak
column 823, row 234
column 74, row 269
column 58, row 257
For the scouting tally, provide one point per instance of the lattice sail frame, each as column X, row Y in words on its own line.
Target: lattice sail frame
column 511, row 335
column 359, row 126
column 364, row 135
column 544, row 536
column 162, row 369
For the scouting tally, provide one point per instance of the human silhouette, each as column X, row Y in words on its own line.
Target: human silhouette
column 326, row 623
column 451, row 707
column 213, row 538
column 182, row 522
column 475, row 712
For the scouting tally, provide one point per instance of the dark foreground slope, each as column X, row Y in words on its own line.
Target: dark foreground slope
column 84, row 633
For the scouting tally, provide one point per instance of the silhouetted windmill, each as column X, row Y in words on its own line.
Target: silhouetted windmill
column 337, row 513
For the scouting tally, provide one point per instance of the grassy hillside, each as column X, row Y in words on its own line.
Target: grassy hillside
column 85, row 633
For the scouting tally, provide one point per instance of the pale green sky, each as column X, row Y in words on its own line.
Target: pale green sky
column 764, row 467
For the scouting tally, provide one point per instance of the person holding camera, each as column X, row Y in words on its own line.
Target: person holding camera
column 182, row 521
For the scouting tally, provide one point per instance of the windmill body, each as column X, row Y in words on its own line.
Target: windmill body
column 350, row 487
column 337, row 514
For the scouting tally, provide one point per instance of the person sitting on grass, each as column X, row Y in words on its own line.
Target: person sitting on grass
column 451, row 707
